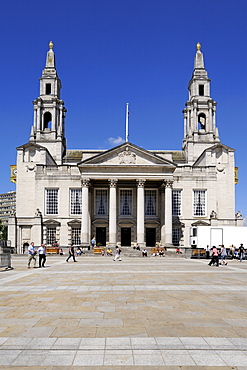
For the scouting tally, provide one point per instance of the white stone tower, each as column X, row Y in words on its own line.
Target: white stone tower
column 49, row 111
column 200, row 131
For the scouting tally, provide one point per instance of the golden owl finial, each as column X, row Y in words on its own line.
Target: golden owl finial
column 51, row 45
column 198, row 45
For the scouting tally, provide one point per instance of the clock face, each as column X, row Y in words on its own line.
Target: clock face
column 15, row 171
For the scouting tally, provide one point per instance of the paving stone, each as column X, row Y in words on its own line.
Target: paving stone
column 123, row 316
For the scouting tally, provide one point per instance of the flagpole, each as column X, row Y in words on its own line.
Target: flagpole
column 127, row 123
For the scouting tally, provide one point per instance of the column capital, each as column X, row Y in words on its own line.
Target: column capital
column 113, row 183
column 168, row 184
column 140, row 183
column 85, row 183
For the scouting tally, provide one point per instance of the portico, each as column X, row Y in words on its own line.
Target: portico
column 134, row 204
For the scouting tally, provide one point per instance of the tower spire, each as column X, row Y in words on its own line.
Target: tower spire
column 50, row 57
column 49, row 111
column 199, row 62
column 199, row 114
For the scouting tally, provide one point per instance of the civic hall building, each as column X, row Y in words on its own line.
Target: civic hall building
column 127, row 194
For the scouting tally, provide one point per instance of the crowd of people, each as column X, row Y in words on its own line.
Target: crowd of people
column 218, row 255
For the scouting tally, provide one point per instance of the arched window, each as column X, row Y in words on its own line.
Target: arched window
column 201, row 121
column 47, row 120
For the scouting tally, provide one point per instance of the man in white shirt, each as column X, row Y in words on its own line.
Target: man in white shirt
column 42, row 255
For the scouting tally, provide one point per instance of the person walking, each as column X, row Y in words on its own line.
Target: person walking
column 117, row 255
column 31, row 255
column 215, row 257
column 207, row 252
column 93, row 242
column 241, row 253
column 223, row 255
column 71, row 254
column 42, row 255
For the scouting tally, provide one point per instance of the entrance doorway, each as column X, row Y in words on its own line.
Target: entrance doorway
column 101, row 235
column 150, row 236
column 126, row 236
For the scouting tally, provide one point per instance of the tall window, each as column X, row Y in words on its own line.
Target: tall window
column 50, row 235
column 125, row 202
column 199, row 206
column 75, row 201
column 101, row 202
column 51, row 202
column 176, row 234
column 150, row 202
column 76, row 235
column 176, row 202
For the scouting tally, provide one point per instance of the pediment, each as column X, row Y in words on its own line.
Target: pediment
column 218, row 148
column 127, row 154
column 51, row 222
column 74, row 222
column 200, row 223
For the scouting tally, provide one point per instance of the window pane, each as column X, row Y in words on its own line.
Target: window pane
column 150, row 202
column 51, row 201
column 176, row 202
column 50, row 235
column 76, row 235
column 75, row 201
column 125, row 202
column 101, row 205
column 199, row 207
column 176, row 236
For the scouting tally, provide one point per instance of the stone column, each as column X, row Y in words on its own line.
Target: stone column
column 140, row 212
column 113, row 213
column 214, row 119
column 162, row 216
column 38, row 117
column 54, row 118
column 209, row 124
column 168, row 212
column 195, row 118
column 35, row 118
column 85, row 213
column 185, row 125
column 60, row 122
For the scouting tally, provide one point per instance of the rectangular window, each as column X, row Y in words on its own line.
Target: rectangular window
column 76, row 235
column 51, row 202
column 199, row 205
column 125, row 202
column 50, row 235
column 101, row 202
column 48, row 89
column 176, row 202
column 150, row 202
column 75, row 201
column 176, row 234
column 201, row 90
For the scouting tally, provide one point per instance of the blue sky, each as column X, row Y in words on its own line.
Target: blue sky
column 110, row 52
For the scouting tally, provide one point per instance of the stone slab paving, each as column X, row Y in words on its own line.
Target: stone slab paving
column 141, row 313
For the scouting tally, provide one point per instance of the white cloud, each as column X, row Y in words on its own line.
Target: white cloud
column 116, row 141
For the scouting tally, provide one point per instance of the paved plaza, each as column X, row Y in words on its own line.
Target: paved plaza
column 141, row 313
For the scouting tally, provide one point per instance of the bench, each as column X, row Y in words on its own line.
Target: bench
column 53, row 250
column 154, row 250
column 198, row 253
column 98, row 250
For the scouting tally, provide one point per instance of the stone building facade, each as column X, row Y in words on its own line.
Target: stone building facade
column 127, row 194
